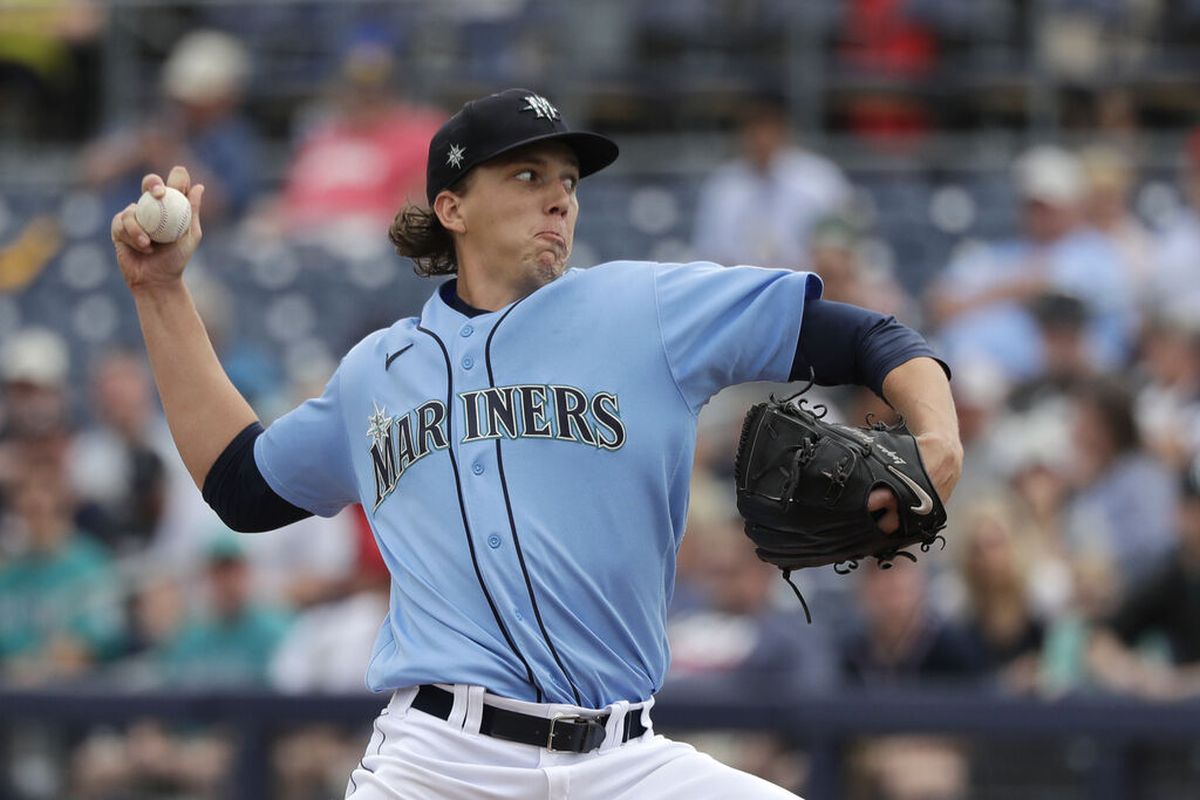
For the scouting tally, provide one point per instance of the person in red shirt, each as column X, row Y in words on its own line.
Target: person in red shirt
column 367, row 158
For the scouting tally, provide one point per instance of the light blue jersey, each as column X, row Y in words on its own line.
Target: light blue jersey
column 526, row 471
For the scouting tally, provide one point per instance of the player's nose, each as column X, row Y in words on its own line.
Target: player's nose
column 559, row 200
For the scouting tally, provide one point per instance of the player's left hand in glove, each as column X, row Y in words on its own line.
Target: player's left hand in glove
column 803, row 486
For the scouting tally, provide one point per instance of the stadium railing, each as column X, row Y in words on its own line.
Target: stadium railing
column 1120, row 731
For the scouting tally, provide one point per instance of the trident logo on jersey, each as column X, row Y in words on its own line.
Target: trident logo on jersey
column 533, row 411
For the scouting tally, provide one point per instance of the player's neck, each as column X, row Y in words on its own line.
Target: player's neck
column 484, row 295
column 488, row 292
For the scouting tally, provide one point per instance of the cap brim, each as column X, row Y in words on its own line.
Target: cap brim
column 595, row 152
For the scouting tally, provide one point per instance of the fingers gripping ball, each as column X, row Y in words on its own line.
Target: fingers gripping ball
column 165, row 218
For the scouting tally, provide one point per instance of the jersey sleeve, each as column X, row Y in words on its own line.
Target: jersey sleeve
column 304, row 456
column 726, row 325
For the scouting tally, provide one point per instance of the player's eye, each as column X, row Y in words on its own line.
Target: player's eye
column 571, row 183
column 525, row 175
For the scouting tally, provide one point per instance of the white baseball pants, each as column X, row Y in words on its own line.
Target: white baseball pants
column 416, row 756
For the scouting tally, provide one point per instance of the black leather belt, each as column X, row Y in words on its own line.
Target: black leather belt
column 565, row 733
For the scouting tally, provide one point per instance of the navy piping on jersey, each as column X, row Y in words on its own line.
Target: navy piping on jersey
column 512, row 523
column 463, row 509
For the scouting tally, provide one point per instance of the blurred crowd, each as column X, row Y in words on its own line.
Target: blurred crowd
column 1072, row 558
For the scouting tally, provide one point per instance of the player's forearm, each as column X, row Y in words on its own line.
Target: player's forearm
column 203, row 408
column 920, row 391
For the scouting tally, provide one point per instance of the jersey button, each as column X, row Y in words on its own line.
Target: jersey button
column 468, row 362
column 466, row 331
column 477, row 468
column 493, row 541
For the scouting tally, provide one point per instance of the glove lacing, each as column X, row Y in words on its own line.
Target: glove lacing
column 787, row 577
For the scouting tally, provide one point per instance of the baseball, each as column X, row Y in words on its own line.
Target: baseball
column 164, row 218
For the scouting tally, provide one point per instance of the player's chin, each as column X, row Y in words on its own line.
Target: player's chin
column 550, row 264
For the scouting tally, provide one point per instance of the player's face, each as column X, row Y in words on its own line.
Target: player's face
column 519, row 215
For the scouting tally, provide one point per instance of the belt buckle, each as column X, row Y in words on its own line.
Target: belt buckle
column 557, row 718
column 593, row 734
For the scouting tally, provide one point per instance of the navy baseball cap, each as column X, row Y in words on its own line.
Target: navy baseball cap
column 489, row 126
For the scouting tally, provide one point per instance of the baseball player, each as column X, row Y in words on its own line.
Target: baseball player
column 523, row 450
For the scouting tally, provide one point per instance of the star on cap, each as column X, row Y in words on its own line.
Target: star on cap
column 541, row 107
column 455, row 157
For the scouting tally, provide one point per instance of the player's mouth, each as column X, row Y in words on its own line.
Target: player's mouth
column 552, row 236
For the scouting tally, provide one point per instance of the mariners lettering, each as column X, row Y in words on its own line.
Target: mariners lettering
column 561, row 413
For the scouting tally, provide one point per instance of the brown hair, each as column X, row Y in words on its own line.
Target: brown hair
column 418, row 234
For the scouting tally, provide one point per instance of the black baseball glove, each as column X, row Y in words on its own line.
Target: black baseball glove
column 803, row 483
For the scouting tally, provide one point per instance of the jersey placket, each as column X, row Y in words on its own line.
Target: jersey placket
column 484, row 501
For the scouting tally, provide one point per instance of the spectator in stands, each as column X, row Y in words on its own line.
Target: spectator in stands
column 1176, row 284
column 136, row 493
column 117, row 467
column 980, row 302
column 34, row 406
column 1036, row 496
column 59, row 597
column 233, row 643
column 1168, row 401
column 199, row 124
column 325, row 648
column 1125, row 500
column 1151, row 644
column 902, row 641
column 34, row 366
column 1061, row 320
column 358, row 165
column 761, row 207
column 836, row 254
column 155, row 607
column 1064, row 664
column 1000, row 618
column 1109, row 179
column 741, row 637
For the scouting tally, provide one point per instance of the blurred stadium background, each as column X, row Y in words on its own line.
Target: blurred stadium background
column 1018, row 178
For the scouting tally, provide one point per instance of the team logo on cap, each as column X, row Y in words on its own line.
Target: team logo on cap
column 541, row 107
column 455, row 157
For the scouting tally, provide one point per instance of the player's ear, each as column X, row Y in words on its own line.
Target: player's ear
column 448, row 208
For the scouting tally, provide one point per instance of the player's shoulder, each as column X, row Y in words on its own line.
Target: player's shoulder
column 626, row 275
column 619, row 270
column 380, row 343
column 623, row 270
column 599, row 276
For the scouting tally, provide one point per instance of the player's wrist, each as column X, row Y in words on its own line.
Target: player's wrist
column 945, row 445
column 161, row 292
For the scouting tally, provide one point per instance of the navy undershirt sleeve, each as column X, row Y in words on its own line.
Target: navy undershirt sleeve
column 237, row 491
column 840, row 343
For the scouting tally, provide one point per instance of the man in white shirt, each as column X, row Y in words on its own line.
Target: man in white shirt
column 761, row 207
